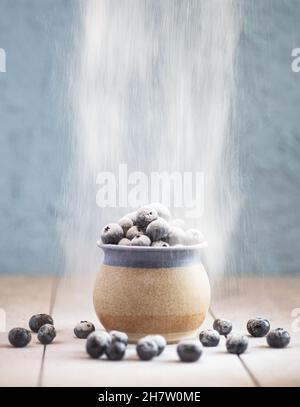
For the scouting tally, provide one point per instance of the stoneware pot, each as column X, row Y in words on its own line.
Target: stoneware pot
column 152, row 290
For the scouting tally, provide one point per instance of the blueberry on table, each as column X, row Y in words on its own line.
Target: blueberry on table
column 162, row 210
column 133, row 232
column 189, row 351
column 125, row 223
column 118, row 336
column 46, row 334
column 124, row 242
column 145, row 215
column 83, row 329
column 258, row 327
column 142, row 240
column 278, row 338
column 146, row 349
column 223, row 326
column 19, row 337
column 175, row 236
column 157, row 229
column 115, row 351
column 112, row 233
column 38, row 320
column 236, row 343
column 96, row 344
column 209, row 337
column 160, row 243
column 193, row 236
column 160, row 342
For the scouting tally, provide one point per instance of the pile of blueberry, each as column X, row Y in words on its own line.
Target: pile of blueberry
column 150, row 225
column 42, row 324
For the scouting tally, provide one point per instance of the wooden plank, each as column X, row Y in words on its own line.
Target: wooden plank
column 66, row 363
column 21, row 297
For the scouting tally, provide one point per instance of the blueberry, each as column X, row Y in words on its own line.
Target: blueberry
column 124, row 242
column 157, row 229
column 133, row 232
column 115, row 351
column 145, row 215
column 175, row 236
column 258, row 327
column 146, row 349
column 160, row 342
column 118, row 336
column 142, row 240
column 125, row 223
column 223, row 326
column 46, row 334
column 132, row 216
column 96, row 344
column 179, row 223
column 83, row 329
column 160, row 243
column 278, row 338
column 162, row 210
column 19, row 337
column 189, row 351
column 38, row 320
column 193, row 236
column 209, row 337
column 111, row 233
column 236, row 343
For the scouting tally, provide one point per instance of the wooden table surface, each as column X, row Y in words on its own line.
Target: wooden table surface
column 65, row 363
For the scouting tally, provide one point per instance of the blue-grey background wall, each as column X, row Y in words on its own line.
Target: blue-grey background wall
column 36, row 36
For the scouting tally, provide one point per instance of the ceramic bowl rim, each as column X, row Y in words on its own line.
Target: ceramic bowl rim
column 125, row 248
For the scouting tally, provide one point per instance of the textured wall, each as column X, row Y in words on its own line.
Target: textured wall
column 34, row 154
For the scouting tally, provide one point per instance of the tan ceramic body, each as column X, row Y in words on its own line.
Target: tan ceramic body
column 169, row 301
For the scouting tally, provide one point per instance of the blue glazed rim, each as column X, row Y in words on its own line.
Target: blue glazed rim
column 151, row 257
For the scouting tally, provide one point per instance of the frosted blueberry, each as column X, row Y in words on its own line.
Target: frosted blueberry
column 258, row 327
column 146, row 349
column 189, row 351
column 118, row 336
column 157, row 229
column 142, row 240
column 115, row 350
column 125, row 223
column 38, row 320
column 132, row 216
column 278, row 338
column 96, row 344
column 83, row 329
column 223, row 326
column 175, row 236
column 46, row 334
column 111, row 233
column 160, row 342
column 193, row 236
column 133, row 232
column 161, row 210
column 124, row 242
column 19, row 337
column 236, row 343
column 145, row 215
column 179, row 223
column 209, row 337
column 160, row 243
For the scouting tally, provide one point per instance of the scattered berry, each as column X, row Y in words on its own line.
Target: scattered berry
column 145, row 215
column 125, row 223
column 38, row 320
column 189, row 351
column 193, row 236
column 223, row 326
column 19, row 337
column 160, row 243
column 112, row 233
column 209, row 337
column 133, row 232
column 236, row 343
column 175, row 236
column 118, row 336
column 258, row 327
column 96, row 344
column 83, row 329
column 179, row 223
column 161, row 210
column 160, row 342
column 278, row 338
column 124, row 242
column 115, row 350
column 141, row 240
column 46, row 334
column 146, row 349
column 157, row 229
